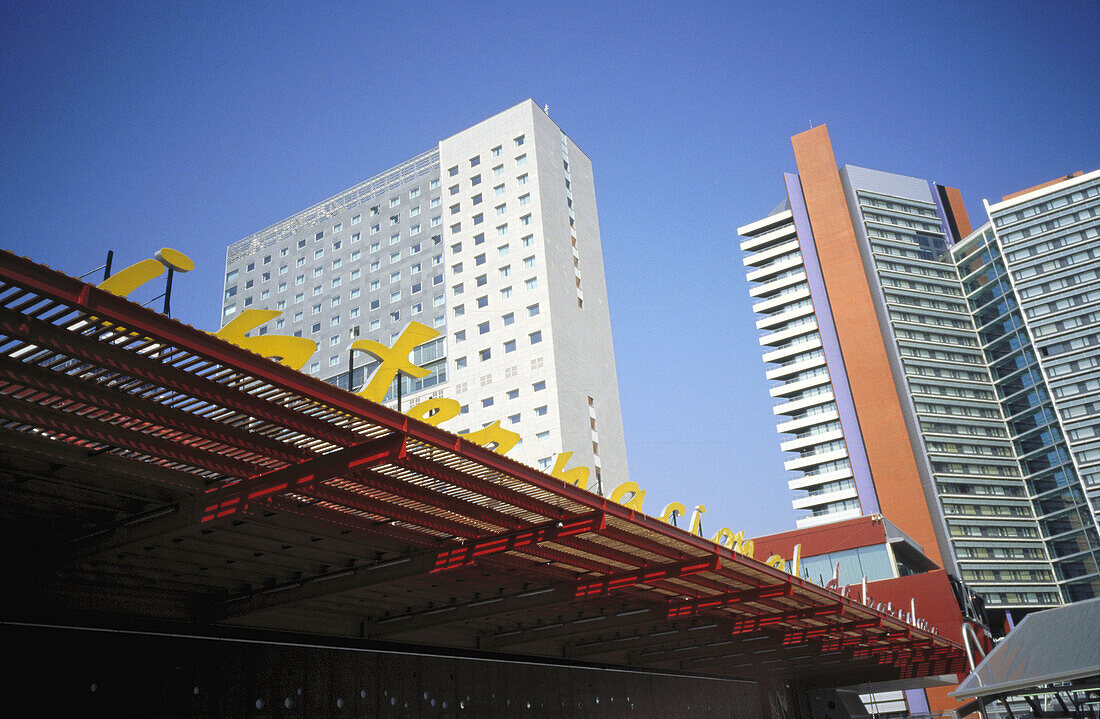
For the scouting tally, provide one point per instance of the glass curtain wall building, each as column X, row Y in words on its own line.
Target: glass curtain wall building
column 890, row 371
column 1031, row 280
column 492, row 239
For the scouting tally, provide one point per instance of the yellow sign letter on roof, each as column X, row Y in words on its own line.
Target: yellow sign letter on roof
column 637, row 495
column 125, row 281
column 293, row 352
column 394, row 359
column 435, row 411
column 494, row 434
column 578, row 476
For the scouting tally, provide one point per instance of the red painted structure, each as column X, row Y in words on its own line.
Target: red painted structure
column 930, row 592
column 934, row 599
column 893, row 465
column 825, row 538
column 161, row 473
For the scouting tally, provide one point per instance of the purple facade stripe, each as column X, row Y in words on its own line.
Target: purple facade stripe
column 917, row 701
column 830, row 343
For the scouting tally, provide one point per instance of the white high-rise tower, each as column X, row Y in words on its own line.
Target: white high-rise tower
column 491, row 238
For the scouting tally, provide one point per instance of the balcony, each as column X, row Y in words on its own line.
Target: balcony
column 809, row 461
column 794, row 445
column 774, row 339
column 765, row 256
column 814, row 480
column 826, row 498
column 770, row 288
column 790, row 297
column 808, row 421
column 785, row 390
column 801, row 404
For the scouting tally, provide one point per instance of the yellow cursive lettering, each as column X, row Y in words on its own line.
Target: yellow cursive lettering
column 394, row 359
column 494, row 434
column 636, row 495
column 747, row 547
column 125, row 281
column 435, row 411
column 293, row 352
column 696, row 519
column 671, row 511
column 725, row 537
column 578, row 476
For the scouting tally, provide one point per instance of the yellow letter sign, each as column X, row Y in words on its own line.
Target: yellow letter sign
column 293, row 352
column 394, row 359
column 123, row 282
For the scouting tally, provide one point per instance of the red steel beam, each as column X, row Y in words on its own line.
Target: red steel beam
column 646, row 575
column 675, row 553
column 228, row 500
column 517, row 499
column 756, row 624
column 482, row 486
column 118, row 436
column 519, row 539
column 392, row 511
column 610, row 553
column 334, row 516
column 402, row 487
column 522, row 540
column 94, row 394
column 349, row 579
column 570, row 560
column 646, row 545
column 802, row 635
column 694, row 606
column 106, row 354
column 387, row 534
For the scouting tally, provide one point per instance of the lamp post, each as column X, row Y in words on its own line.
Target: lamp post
column 354, row 331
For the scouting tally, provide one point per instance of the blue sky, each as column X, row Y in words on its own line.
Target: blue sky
column 132, row 126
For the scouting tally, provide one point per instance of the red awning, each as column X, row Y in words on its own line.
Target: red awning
column 158, row 472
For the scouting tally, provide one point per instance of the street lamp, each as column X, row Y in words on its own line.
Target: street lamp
column 354, row 331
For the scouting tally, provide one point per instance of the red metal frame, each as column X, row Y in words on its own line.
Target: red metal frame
column 227, row 500
column 518, row 539
column 694, row 606
column 755, row 624
column 271, row 440
column 22, row 374
column 77, row 425
column 646, row 575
